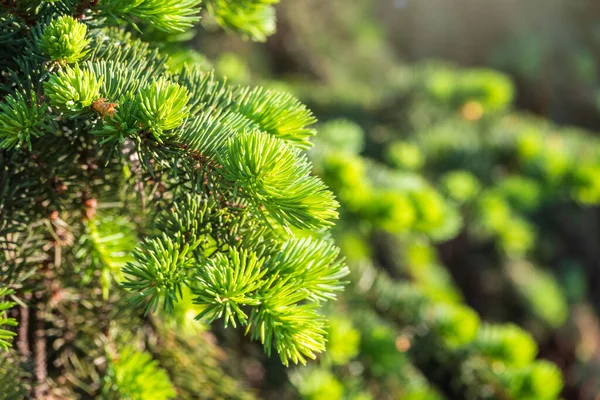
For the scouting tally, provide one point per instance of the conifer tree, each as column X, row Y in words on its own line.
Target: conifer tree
column 129, row 187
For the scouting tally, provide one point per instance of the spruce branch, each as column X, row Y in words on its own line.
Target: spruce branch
column 273, row 176
column 13, row 377
column 279, row 114
column 134, row 374
column 108, row 122
column 73, row 90
column 162, row 106
column 119, row 80
column 6, row 336
column 207, row 92
column 118, row 46
column 284, row 321
column 166, row 15
column 109, row 241
column 206, row 135
column 314, row 264
column 160, row 269
column 227, row 283
column 21, row 120
column 190, row 218
column 64, row 40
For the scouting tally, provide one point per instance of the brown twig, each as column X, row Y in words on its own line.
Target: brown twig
column 23, row 333
column 39, row 345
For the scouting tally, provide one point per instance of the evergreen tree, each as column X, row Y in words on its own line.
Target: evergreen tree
column 131, row 187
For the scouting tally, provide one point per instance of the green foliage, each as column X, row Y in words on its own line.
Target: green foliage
column 346, row 174
column 5, row 335
column 228, row 283
column 379, row 346
column 495, row 211
column 516, row 237
column 461, row 186
column 483, row 88
column 12, row 377
column 316, row 384
column 457, row 325
column 295, row 330
column 508, row 344
column 128, row 173
column 391, row 211
column 541, row 291
column 314, row 264
column 21, row 120
column 158, row 272
column 278, row 178
column 343, row 341
column 341, row 134
column 204, row 375
column 471, row 191
column 454, row 199
column 134, row 375
column 279, row 114
column 544, row 156
column 233, row 68
column 114, row 143
column 422, row 264
column 540, row 380
column 185, row 58
column 303, row 270
column 422, row 394
column 73, row 90
column 522, row 193
column 109, row 241
column 274, row 292
column 395, row 202
column 64, row 40
column 253, row 19
column 431, row 209
column 196, row 219
column 587, row 187
column 162, row 106
column 404, row 155
column 166, row 15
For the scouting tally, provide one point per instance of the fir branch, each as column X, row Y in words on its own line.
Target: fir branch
column 73, row 90
column 226, row 162
column 294, row 328
column 314, row 264
column 64, row 40
column 227, row 283
column 279, row 114
column 13, row 377
column 160, row 269
column 167, row 15
column 21, row 120
column 162, row 106
column 6, row 336
column 273, row 176
column 134, row 374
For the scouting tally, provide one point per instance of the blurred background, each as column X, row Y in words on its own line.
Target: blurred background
column 460, row 139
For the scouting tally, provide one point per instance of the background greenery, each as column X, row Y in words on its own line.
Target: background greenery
column 459, row 138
